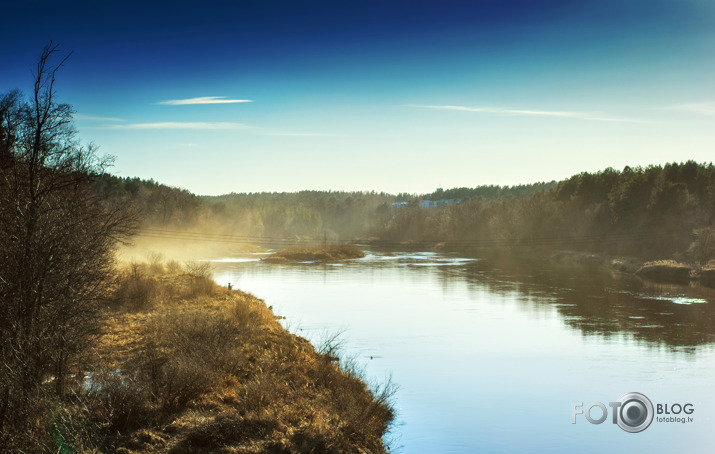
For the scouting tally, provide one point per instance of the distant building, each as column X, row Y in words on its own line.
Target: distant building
column 430, row 203
column 438, row 203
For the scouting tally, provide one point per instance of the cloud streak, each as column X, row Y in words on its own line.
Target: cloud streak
column 202, row 100
column 703, row 108
column 212, row 126
column 529, row 112
column 192, row 125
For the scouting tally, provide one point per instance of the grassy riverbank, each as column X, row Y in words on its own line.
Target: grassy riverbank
column 184, row 365
column 315, row 254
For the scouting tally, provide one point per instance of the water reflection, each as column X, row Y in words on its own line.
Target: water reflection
column 594, row 301
column 470, row 341
column 603, row 303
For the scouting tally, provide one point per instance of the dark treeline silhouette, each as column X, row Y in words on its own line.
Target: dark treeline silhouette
column 485, row 192
column 652, row 212
column 489, row 192
column 157, row 203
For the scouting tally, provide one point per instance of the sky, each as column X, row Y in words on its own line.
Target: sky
column 395, row 96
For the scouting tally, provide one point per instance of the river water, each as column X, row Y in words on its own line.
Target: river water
column 489, row 359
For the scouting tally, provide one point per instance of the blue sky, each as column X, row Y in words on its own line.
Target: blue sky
column 397, row 96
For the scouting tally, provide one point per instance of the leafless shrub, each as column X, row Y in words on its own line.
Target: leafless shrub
column 156, row 262
column 199, row 269
column 104, row 404
column 56, row 243
column 187, row 353
column 136, row 291
column 173, row 267
column 200, row 278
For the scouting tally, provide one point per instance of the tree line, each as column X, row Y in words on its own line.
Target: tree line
column 651, row 212
column 336, row 215
column 488, row 192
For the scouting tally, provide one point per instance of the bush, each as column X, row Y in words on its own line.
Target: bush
column 136, row 290
column 173, row 267
column 187, row 353
column 156, row 262
column 200, row 278
column 105, row 404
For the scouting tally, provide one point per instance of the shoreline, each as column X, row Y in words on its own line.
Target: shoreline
column 186, row 365
column 324, row 254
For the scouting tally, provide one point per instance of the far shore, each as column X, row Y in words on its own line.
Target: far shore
column 661, row 271
column 315, row 254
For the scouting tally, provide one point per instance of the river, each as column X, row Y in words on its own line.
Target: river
column 493, row 360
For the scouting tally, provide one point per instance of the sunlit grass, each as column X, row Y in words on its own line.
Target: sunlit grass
column 183, row 367
column 315, row 254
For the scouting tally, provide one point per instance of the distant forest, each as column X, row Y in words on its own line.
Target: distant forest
column 652, row 212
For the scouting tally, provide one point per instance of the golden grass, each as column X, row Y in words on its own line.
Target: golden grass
column 213, row 371
column 665, row 271
column 315, row 254
column 666, row 263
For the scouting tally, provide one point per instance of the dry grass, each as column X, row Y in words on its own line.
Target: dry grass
column 666, row 263
column 665, row 271
column 213, row 371
column 315, row 254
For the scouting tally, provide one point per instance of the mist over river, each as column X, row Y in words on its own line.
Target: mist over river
column 490, row 359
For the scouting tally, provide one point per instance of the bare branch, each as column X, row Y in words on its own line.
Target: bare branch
column 56, row 244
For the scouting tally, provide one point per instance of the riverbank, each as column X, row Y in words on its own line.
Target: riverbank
column 184, row 365
column 315, row 254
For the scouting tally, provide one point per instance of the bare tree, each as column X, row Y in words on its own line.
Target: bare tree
column 9, row 120
column 56, row 246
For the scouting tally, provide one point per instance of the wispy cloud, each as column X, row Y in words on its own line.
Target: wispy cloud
column 274, row 132
column 703, row 108
column 95, row 118
column 202, row 100
column 194, row 125
column 212, row 126
column 594, row 116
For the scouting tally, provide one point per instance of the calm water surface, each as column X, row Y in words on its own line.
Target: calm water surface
column 489, row 360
